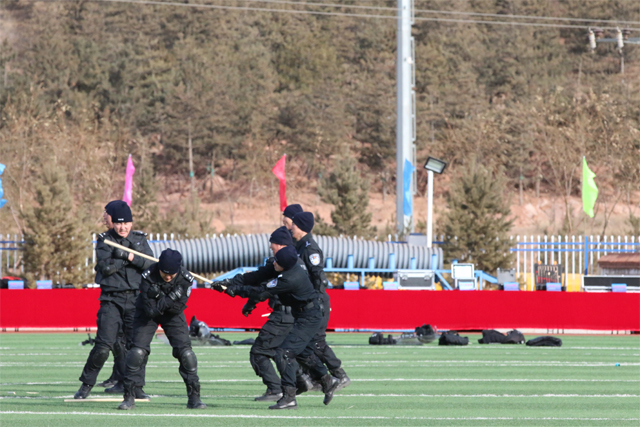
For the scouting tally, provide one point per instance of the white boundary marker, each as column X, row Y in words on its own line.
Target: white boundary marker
column 205, row 415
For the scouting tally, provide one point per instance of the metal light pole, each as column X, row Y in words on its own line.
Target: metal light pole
column 405, row 125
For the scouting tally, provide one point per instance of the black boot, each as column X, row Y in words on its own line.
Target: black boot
column 107, row 383
column 140, row 394
column 303, row 384
column 341, row 375
column 329, row 386
column 83, row 392
column 288, row 400
column 269, row 396
column 117, row 388
column 129, row 401
column 194, row 402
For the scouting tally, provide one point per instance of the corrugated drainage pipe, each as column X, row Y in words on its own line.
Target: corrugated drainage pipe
column 250, row 250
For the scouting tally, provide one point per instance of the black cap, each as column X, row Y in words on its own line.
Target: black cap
column 286, row 257
column 120, row 212
column 304, row 221
column 291, row 210
column 170, row 261
column 112, row 204
column 282, row 236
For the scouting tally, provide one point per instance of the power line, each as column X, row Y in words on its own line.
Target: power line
column 355, row 15
column 442, row 12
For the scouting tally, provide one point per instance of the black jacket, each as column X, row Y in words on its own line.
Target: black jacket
column 311, row 254
column 293, row 287
column 154, row 308
column 115, row 274
column 244, row 285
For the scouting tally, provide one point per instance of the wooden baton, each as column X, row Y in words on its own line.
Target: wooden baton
column 150, row 258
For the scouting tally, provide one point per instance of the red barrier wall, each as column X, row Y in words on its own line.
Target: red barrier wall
column 364, row 309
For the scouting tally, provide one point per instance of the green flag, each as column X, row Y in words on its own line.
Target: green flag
column 589, row 189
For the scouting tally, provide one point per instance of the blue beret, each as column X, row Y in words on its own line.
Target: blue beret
column 304, row 221
column 282, row 236
column 120, row 212
column 286, row 257
column 170, row 261
column 291, row 210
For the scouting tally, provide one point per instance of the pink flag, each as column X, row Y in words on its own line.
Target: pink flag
column 128, row 182
column 278, row 171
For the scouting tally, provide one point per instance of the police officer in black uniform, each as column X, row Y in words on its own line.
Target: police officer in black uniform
column 294, row 289
column 311, row 254
column 119, row 276
column 280, row 321
column 164, row 292
column 288, row 214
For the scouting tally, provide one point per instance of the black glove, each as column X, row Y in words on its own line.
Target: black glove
column 175, row 294
column 248, row 308
column 120, row 254
column 109, row 269
column 218, row 286
column 154, row 292
column 229, row 291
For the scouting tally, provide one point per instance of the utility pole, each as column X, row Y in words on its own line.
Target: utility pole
column 406, row 114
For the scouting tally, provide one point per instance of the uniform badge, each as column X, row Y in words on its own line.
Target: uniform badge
column 188, row 292
column 272, row 284
column 315, row 259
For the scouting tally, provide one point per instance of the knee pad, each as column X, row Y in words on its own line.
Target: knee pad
column 135, row 358
column 188, row 360
column 118, row 349
column 321, row 346
column 100, row 354
column 284, row 358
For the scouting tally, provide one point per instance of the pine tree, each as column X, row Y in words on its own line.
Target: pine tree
column 56, row 244
column 477, row 223
column 348, row 192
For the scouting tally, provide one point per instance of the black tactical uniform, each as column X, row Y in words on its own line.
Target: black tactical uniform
column 311, row 254
column 272, row 333
column 119, row 281
column 294, row 289
column 162, row 303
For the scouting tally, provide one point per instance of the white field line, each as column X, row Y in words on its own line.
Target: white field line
column 435, row 380
column 473, row 346
column 201, row 415
column 363, row 363
column 421, row 395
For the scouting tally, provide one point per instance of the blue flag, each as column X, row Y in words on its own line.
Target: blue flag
column 2, row 201
column 407, row 205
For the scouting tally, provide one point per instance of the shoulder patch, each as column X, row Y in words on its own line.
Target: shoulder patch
column 273, row 283
column 187, row 275
column 189, row 291
column 314, row 259
column 139, row 233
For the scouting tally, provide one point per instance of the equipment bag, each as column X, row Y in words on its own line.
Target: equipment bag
column 545, row 341
column 425, row 333
column 378, row 339
column 452, row 338
column 514, row 337
column 491, row 336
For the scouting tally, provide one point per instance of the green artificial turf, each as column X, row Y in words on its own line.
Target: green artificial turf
column 578, row 384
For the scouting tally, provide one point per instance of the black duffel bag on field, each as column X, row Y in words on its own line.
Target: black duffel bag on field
column 452, row 338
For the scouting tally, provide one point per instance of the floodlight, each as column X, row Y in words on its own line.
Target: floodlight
column 462, row 271
column 435, row 165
